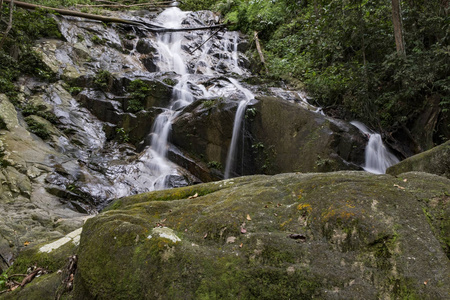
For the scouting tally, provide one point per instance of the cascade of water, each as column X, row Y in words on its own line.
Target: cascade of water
column 171, row 57
column 235, row 50
column 238, row 118
column 378, row 157
column 203, row 64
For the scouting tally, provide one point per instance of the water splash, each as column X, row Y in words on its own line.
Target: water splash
column 377, row 156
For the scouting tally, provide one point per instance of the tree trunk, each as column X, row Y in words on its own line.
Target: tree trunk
column 398, row 27
column 11, row 7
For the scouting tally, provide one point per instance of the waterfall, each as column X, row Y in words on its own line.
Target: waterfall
column 172, row 57
column 377, row 156
column 238, row 118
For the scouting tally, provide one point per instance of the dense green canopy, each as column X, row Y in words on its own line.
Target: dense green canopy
column 343, row 52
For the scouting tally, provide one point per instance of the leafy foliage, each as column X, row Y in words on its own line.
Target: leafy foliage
column 139, row 90
column 37, row 128
column 102, row 80
column 17, row 56
column 122, row 135
column 344, row 53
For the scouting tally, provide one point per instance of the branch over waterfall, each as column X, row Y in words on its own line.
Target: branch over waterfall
column 148, row 26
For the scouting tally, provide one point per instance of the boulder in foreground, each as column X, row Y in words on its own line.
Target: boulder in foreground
column 344, row 235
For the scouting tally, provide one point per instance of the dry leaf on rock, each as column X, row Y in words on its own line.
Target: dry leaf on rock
column 192, row 197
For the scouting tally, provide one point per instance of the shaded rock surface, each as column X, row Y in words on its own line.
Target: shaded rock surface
column 278, row 136
column 434, row 161
column 343, row 235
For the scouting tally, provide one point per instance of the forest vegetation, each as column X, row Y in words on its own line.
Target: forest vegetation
column 342, row 52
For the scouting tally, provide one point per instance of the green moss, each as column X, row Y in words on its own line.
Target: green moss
column 354, row 238
column 97, row 40
column 103, row 80
column 42, row 111
column 52, row 261
column 170, row 81
column 37, row 128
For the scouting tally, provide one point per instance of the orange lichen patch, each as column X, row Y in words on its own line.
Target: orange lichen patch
column 285, row 223
column 342, row 213
column 305, row 207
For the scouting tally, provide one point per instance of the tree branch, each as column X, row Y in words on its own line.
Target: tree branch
column 148, row 26
column 206, row 41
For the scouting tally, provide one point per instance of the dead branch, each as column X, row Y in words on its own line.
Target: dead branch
column 11, row 6
column 68, row 275
column 73, row 13
column 31, row 276
column 258, row 47
column 148, row 26
column 152, row 5
column 205, row 41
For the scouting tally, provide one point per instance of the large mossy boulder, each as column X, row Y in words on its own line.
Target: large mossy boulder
column 289, row 138
column 434, row 161
column 277, row 137
column 344, row 235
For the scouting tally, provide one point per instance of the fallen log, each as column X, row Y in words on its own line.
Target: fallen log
column 150, row 27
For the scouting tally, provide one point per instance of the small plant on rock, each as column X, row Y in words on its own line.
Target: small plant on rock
column 37, row 128
column 139, row 90
column 122, row 135
column 102, row 80
column 214, row 165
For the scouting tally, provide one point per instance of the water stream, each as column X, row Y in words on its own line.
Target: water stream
column 172, row 57
column 377, row 156
column 237, row 124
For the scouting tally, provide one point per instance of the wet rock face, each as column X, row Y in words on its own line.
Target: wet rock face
column 434, row 161
column 73, row 144
column 278, row 137
column 289, row 138
column 347, row 235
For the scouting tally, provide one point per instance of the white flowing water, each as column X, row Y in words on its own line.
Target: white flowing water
column 238, row 119
column 377, row 156
column 173, row 58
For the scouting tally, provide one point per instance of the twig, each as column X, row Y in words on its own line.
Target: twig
column 205, row 41
column 11, row 6
column 30, row 277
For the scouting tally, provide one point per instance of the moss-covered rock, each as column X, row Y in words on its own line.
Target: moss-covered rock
column 345, row 235
column 54, row 259
column 434, row 161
